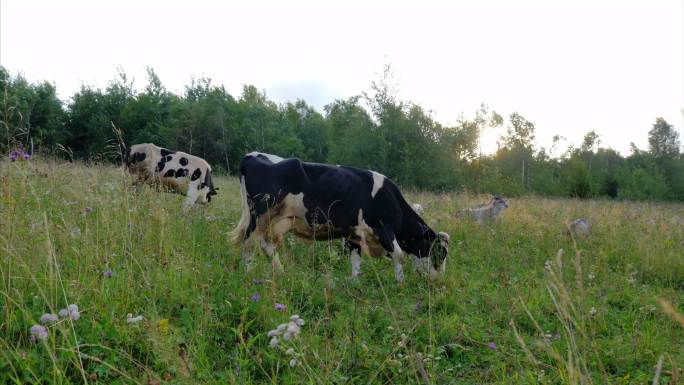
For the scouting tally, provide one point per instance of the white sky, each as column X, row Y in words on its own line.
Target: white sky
column 570, row 67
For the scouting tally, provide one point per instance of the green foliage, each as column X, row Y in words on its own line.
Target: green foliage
column 643, row 183
column 579, row 181
column 374, row 130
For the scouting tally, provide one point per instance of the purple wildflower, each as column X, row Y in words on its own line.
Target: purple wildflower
column 13, row 156
column 257, row 281
column 279, row 306
column 26, row 156
column 491, row 345
column 38, row 332
column 107, row 273
column 48, row 318
column 255, row 297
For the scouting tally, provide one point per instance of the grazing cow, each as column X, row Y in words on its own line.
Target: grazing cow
column 180, row 172
column 578, row 227
column 488, row 212
column 323, row 202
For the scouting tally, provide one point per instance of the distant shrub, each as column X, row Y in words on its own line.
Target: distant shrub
column 643, row 183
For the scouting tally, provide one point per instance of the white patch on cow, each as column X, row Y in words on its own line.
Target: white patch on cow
column 355, row 263
column 271, row 157
column 378, row 180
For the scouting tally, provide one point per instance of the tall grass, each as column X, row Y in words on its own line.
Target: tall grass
column 499, row 315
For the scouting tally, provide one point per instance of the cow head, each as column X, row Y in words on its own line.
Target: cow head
column 432, row 253
column 209, row 183
column 498, row 202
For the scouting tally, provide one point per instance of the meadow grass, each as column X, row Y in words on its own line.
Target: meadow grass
column 511, row 308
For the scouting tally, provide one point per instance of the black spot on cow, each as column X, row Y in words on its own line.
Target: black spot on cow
column 181, row 172
column 165, row 152
column 168, row 158
column 195, row 174
column 183, row 161
column 139, row 157
column 160, row 165
column 170, row 174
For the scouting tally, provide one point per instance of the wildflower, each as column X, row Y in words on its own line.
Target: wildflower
column 591, row 276
column 70, row 311
column 281, row 328
column 274, row 342
column 26, row 156
column 287, row 336
column 107, row 273
column 491, row 345
column 548, row 264
column 256, row 297
column 632, row 277
column 38, row 332
column 293, row 362
column 257, row 281
column 290, row 351
column 279, row 306
column 273, row 333
column 13, row 156
column 48, row 318
column 540, row 376
column 293, row 328
column 131, row 320
column 163, row 325
column 592, row 311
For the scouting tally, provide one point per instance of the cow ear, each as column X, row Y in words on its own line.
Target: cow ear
column 444, row 237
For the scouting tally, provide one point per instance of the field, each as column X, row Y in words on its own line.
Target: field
column 511, row 308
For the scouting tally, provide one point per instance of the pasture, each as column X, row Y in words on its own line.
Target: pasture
column 510, row 309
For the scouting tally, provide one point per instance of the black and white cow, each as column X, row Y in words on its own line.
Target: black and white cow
column 322, row 202
column 180, row 172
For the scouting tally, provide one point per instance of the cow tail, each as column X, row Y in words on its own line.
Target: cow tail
column 238, row 234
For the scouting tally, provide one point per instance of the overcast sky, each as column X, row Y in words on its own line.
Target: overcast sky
column 570, row 67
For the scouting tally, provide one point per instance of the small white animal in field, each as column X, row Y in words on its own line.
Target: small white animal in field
column 578, row 227
column 417, row 207
column 488, row 212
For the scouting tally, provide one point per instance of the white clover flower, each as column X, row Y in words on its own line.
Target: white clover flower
column 293, row 362
column 38, row 333
column 632, row 277
column 290, row 351
column 592, row 311
column 293, row 328
column 548, row 264
column 274, row 342
column 131, row 320
column 48, row 318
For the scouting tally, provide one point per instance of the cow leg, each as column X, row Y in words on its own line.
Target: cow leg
column 192, row 195
column 248, row 246
column 354, row 257
column 270, row 250
column 389, row 243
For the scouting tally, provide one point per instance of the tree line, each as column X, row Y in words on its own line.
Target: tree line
column 373, row 130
